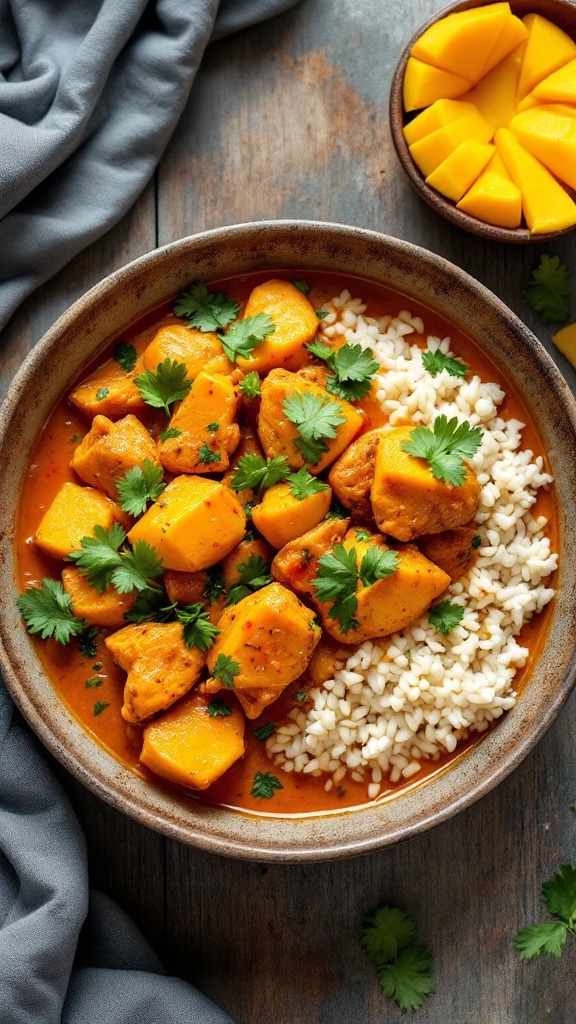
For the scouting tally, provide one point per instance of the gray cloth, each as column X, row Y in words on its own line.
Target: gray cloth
column 90, row 91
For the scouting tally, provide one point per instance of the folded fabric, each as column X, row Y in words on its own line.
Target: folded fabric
column 90, row 91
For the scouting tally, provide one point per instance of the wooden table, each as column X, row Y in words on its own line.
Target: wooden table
column 289, row 119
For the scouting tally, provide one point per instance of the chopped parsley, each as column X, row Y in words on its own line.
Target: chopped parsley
column 255, row 473
column 445, row 448
column 218, row 709
column 198, row 630
column 93, row 681
column 138, row 486
column 99, row 707
column 254, row 574
column 102, row 393
column 88, row 642
column 250, row 386
column 403, row 964
column 435, row 362
column 105, row 560
column 445, row 616
column 321, row 314
column 353, row 368
column 75, row 437
column 151, row 604
column 204, row 310
column 171, row 432
column 315, row 418
column 213, row 427
column 225, row 670
column 245, row 335
column 548, row 291
column 476, row 542
column 301, row 696
column 166, row 386
column 207, row 455
column 264, row 785
column 215, row 585
column 47, row 611
column 337, row 579
column 264, row 731
column 126, row 356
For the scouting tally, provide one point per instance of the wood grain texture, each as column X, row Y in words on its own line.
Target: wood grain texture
column 289, row 119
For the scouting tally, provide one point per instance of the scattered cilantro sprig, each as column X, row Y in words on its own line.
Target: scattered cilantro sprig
column 47, row 612
column 105, row 559
column 353, row 368
column 250, row 386
column 215, row 585
column 204, row 310
column 403, row 964
column 166, row 386
column 445, row 448
column 264, row 785
column 207, row 455
column 256, row 474
column 264, row 731
column 245, row 335
column 315, row 418
column 303, row 287
column 254, row 574
column 198, row 630
column 337, row 579
column 218, row 709
column 303, row 484
column 225, row 670
column 548, row 291
column 138, row 486
column 125, row 355
column 445, row 616
column 559, row 895
column 435, row 362
column 151, row 604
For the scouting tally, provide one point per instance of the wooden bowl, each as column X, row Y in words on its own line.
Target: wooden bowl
column 563, row 14
column 116, row 302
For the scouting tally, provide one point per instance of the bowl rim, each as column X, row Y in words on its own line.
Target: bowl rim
column 397, row 119
column 116, row 784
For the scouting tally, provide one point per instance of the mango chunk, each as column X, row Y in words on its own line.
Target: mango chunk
column 208, row 432
column 110, row 449
column 547, row 48
column 281, row 516
column 194, row 523
column 295, row 324
column 551, row 137
column 494, row 198
column 408, row 500
column 545, row 204
column 559, row 87
column 188, row 746
column 452, row 550
column 463, row 42
column 565, row 341
column 429, row 152
column 454, row 176
column 440, row 113
column 73, row 514
column 423, row 84
column 495, row 94
column 160, row 666
column 96, row 609
column 110, row 392
column 513, row 34
column 199, row 350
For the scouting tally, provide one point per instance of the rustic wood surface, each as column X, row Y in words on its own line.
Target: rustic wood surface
column 289, row 119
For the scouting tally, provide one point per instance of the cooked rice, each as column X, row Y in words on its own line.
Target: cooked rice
column 412, row 696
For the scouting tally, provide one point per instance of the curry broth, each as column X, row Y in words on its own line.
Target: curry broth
column 68, row 670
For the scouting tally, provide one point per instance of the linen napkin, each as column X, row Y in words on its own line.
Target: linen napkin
column 90, row 91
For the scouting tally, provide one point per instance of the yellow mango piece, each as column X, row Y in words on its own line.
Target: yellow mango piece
column 430, row 151
column 456, row 173
column 551, row 138
column 441, row 112
column 281, row 517
column 110, row 449
column 547, row 48
column 423, row 84
column 545, row 204
column 193, row 524
column 109, row 391
column 565, row 341
column 494, row 198
column 559, row 87
column 495, row 94
column 463, row 42
column 199, row 350
column 208, row 431
column 188, row 746
column 96, row 609
column 513, row 34
column 295, row 324
column 73, row 514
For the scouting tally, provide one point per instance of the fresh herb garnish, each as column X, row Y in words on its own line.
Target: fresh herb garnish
column 198, row 630
column 47, row 611
column 88, row 642
column 126, row 356
column 337, row 579
column 435, row 362
column 548, row 291
column 362, row 535
column 255, row 473
column 301, row 696
column 321, row 314
column 402, row 963
column 559, row 895
column 213, row 427
column 264, row 785
column 151, row 604
column 166, row 386
column 225, row 670
column 207, row 455
column 250, row 386
column 171, row 432
column 93, row 681
column 75, row 437
column 315, row 418
column 204, row 310
column 353, row 368
column 445, row 448
column 245, row 335
column 303, row 485
column 215, row 585
column 138, row 486
column 476, row 542
column 218, row 709
column 264, row 731
column 97, row 666
column 99, row 707
column 105, row 561
column 445, row 616
column 303, row 287
column 102, row 393
column 337, row 510
column 254, row 574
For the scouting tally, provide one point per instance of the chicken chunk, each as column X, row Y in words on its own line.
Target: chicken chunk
column 352, row 475
column 110, row 449
column 199, row 350
column 110, row 391
column 296, row 564
column 197, row 588
column 452, row 550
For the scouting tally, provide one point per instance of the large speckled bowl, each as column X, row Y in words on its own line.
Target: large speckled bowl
column 102, row 313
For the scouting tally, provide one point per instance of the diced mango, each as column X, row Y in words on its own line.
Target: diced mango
column 452, row 550
column 551, row 137
column 194, row 523
column 423, row 84
column 495, row 94
column 254, row 547
column 440, row 113
column 188, row 746
column 199, row 350
column 278, row 434
column 109, row 391
column 454, row 176
column 73, row 514
column 208, row 432
column 514, row 33
column 463, row 42
column 494, row 198
column 430, row 151
column 281, row 516
column 96, row 608
column 545, row 204
column 559, row 87
column 565, row 341
column 110, row 449
column 295, row 324
column 547, row 48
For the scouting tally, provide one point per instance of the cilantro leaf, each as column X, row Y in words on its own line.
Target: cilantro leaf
column 386, row 931
column 303, row 484
column 215, row 585
column 99, row 707
column 445, row 616
column 151, row 604
column 445, row 448
column 435, row 362
column 303, row 287
column 47, row 611
column 225, row 670
column 171, row 432
column 264, row 785
column 250, row 386
column 137, row 568
column 548, row 291
column 548, row 937
column 337, row 510
column 166, row 386
column 102, row 393
column 254, row 574
column 353, row 368
column 362, row 535
column 93, row 682
column 321, row 314
column 264, row 731
column 138, row 486
column 218, row 709
column 476, row 542
column 315, row 418
column 88, row 642
column 126, row 356
column 407, row 979
column 559, row 894
column 256, row 474
column 336, row 580
column 245, row 335
column 204, row 310
column 207, row 455
column 377, row 563
column 103, row 563
column 198, row 630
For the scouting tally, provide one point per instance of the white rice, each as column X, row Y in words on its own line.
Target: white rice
column 412, row 696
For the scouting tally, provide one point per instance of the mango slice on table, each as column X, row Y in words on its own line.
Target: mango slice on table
column 513, row 34
column 494, row 198
column 545, row 204
column 440, row 113
column 551, row 137
column 430, row 151
column 565, row 341
column 559, row 87
column 547, row 48
column 495, row 95
column 463, row 42
column 423, row 84
column 295, row 324
column 454, row 176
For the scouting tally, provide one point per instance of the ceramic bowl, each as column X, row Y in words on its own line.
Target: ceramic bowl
column 102, row 313
column 563, row 14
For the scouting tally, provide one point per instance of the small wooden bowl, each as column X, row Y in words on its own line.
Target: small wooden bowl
column 563, row 14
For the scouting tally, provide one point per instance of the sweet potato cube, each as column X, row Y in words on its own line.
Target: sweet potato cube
column 295, row 324
column 281, row 516
column 96, row 608
column 423, row 84
column 296, row 564
column 278, row 434
column 452, row 549
column 73, row 514
column 188, row 746
column 207, row 429
column 110, row 449
column 193, row 524
column 160, row 666
column 408, row 500
column 110, row 391
column 199, row 350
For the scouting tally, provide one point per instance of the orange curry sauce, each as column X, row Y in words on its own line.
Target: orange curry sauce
column 68, row 670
